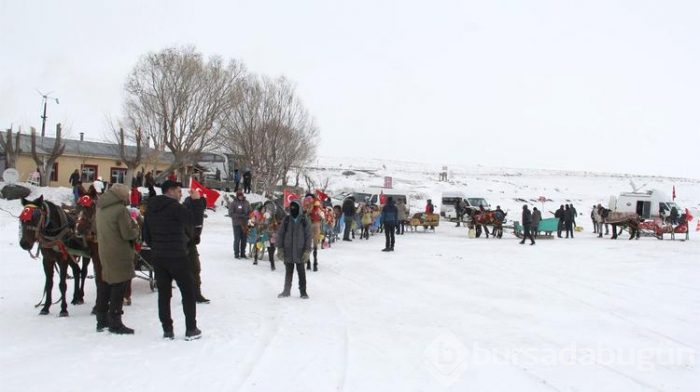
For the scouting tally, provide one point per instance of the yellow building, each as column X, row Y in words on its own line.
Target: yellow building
column 92, row 159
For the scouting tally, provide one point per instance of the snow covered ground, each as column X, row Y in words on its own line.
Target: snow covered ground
column 443, row 312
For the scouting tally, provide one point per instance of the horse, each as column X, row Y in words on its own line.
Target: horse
column 45, row 223
column 481, row 219
column 629, row 220
column 86, row 228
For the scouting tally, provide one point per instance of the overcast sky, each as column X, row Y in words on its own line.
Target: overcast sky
column 594, row 85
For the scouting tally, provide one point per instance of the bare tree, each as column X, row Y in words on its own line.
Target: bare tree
column 177, row 99
column 11, row 147
column 44, row 161
column 131, row 146
column 270, row 129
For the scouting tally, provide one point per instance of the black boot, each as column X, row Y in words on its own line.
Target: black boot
column 102, row 322
column 201, row 299
column 116, row 325
column 193, row 334
column 116, row 298
column 315, row 259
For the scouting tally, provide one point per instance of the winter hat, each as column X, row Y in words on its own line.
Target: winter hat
column 121, row 191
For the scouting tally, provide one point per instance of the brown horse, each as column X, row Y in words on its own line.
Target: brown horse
column 47, row 225
column 630, row 220
column 86, row 228
column 482, row 219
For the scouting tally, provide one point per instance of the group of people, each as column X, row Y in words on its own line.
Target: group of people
column 247, row 178
column 567, row 220
column 172, row 231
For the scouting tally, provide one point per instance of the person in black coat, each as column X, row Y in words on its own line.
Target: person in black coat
column 569, row 221
column 247, row 181
column 196, row 205
column 559, row 214
column 168, row 230
column 527, row 223
column 349, row 211
column 390, row 218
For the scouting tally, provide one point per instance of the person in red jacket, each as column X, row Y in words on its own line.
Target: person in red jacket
column 135, row 197
column 429, row 208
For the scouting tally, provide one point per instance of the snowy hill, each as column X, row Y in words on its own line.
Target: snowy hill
column 500, row 186
column 441, row 312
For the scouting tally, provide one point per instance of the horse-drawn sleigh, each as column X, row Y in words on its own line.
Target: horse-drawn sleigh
column 428, row 221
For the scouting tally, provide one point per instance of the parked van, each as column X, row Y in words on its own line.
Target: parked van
column 449, row 201
column 372, row 195
column 646, row 204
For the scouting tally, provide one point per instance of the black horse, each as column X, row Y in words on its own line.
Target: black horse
column 48, row 225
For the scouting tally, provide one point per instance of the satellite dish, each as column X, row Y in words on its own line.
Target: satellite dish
column 10, row 176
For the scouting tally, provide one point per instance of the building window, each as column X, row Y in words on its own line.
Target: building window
column 117, row 175
column 89, row 173
column 54, row 172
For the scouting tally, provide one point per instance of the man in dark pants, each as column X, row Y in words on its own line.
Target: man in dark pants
column 390, row 216
column 247, row 181
column 569, row 221
column 238, row 211
column 196, row 205
column 168, row 231
column 236, row 179
column 349, row 216
column 294, row 248
column 559, row 214
column 527, row 223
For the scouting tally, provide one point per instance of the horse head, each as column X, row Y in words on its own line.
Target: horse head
column 30, row 220
column 86, row 217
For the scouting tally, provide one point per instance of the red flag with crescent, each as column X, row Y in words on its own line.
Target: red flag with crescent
column 288, row 197
column 210, row 195
column 321, row 196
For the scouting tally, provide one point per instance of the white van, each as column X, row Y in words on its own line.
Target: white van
column 372, row 195
column 645, row 204
column 449, row 201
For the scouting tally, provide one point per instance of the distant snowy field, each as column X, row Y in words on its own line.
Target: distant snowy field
column 443, row 312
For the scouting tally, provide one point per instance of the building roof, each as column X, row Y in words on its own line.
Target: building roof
column 84, row 148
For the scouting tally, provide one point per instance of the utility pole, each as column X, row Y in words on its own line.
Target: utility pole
column 46, row 98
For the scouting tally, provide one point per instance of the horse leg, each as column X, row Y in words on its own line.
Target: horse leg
column 77, row 294
column 83, row 276
column 486, row 230
column 62, row 285
column 48, row 284
column 614, row 230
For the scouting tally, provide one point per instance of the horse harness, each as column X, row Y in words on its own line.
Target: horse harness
column 41, row 230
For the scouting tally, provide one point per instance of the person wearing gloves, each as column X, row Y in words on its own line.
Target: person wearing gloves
column 294, row 248
column 116, row 233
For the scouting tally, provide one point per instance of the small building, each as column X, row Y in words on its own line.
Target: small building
column 92, row 159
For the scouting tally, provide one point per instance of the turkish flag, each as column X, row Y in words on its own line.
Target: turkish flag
column 288, row 197
column 209, row 195
column 321, row 196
